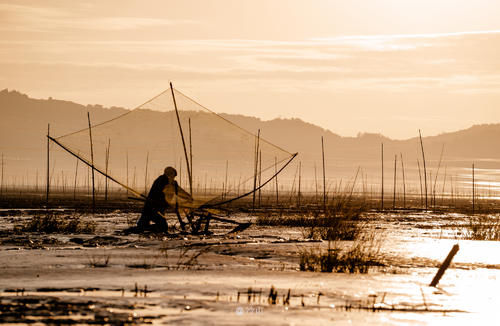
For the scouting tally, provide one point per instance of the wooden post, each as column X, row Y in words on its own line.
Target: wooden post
column 382, row 191
column 324, row 176
column 224, row 188
column 48, row 166
column 92, row 162
column 425, row 169
column 444, row 265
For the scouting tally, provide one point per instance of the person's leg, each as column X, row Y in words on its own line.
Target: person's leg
column 145, row 219
column 159, row 220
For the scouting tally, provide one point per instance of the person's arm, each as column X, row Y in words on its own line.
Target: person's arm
column 183, row 194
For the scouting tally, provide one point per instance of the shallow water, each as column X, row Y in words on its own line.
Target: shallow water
column 412, row 246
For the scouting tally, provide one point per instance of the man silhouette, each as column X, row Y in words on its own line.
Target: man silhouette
column 164, row 193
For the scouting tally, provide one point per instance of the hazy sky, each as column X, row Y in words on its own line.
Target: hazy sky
column 385, row 66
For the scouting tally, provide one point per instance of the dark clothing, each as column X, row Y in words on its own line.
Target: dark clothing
column 155, row 206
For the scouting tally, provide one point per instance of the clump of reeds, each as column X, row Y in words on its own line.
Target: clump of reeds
column 358, row 258
column 53, row 223
column 317, row 226
column 482, row 228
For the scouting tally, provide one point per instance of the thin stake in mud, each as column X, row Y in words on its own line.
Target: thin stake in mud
column 48, row 166
column 404, row 181
column 324, row 176
column 256, row 160
column 1, row 182
column 76, row 178
column 92, row 162
column 473, row 191
column 394, row 196
column 425, row 169
column 382, row 191
column 107, row 166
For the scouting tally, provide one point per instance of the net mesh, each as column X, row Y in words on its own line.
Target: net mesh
column 224, row 160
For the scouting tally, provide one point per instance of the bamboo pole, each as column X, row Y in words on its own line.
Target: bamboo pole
column 260, row 177
column 298, row 192
column 107, row 167
column 382, row 191
column 183, row 141
column 425, row 168
column 76, row 176
column 190, row 157
column 421, row 187
column 256, row 161
column 48, row 166
column 276, row 178
column 92, row 162
column 127, row 172
column 324, row 176
column 1, row 182
column 224, row 188
column 404, row 181
column 473, row 191
column 436, row 177
column 146, row 174
column 394, row 186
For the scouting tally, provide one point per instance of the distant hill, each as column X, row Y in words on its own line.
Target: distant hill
column 24, row 121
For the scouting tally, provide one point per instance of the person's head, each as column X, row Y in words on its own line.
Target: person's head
column 170, row 172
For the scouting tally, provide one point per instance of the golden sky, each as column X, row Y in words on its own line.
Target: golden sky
column 384, row 66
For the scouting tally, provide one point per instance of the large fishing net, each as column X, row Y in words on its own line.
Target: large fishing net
column 216, row 159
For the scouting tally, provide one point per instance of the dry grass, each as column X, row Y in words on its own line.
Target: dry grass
column 482, row 228
column 358, row 258
column 53, row 223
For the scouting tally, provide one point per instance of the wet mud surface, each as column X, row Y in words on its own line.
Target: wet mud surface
column 115, row 277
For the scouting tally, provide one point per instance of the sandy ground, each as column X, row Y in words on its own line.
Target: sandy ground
column 111, row 277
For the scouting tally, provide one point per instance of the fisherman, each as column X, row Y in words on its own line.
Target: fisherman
column 164, row 193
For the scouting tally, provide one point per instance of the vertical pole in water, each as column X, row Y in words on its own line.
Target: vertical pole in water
column 76, row 176
column 382, row 192
column 127, row 172
column 256, row 161
column 394, row 196
column 107, row 166
column 92, row 161
column 1, row 183
column 260, row 176
column 404, row 181
column 324, row 176
column 146, row 174
column 425, row 169
column 183, row 141
column 421, row 189
column 190, row 157
column 276, row 178
column 316, row 181
column 48, row 166
column 473, row 191
column 298, row 192
column 224, row 188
